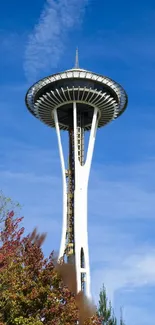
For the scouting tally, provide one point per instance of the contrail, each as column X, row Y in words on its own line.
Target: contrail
column 46, row 42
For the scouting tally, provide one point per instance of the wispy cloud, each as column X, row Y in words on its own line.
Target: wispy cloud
column 133, row 271
column 46, row 43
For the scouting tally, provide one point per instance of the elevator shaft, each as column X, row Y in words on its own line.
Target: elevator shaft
column 70, row 247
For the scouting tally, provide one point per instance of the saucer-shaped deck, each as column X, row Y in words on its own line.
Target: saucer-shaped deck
column 87, row 89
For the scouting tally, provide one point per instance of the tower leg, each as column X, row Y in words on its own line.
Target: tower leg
column 80, row 205
column 64, row 224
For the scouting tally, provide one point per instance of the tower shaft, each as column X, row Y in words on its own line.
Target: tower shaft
column 74, row 241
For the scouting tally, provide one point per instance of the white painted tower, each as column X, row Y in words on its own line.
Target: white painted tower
column 76, row 101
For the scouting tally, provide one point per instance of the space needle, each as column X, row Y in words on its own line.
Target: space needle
column 76, row 101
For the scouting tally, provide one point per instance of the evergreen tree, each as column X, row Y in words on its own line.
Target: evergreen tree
column 121, row 317
column 105, row 310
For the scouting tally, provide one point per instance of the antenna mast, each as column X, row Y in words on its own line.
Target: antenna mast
column 77, row 59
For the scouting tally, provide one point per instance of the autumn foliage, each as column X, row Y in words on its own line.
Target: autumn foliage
column 33, row 290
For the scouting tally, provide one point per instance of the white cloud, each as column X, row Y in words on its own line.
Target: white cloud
column 31, row 178
column 46, row 43
column 130, row 272
column 122, row 192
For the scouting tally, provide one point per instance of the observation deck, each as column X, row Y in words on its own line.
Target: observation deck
column 86, row 88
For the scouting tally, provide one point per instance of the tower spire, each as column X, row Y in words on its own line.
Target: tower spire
column 77, row 59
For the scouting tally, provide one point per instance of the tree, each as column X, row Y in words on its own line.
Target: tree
column 121, row 317
column 105, row 310
column 6, row 205
column 32, row 291
column 10, row 238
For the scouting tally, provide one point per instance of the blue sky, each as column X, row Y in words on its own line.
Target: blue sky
column 116, row 39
